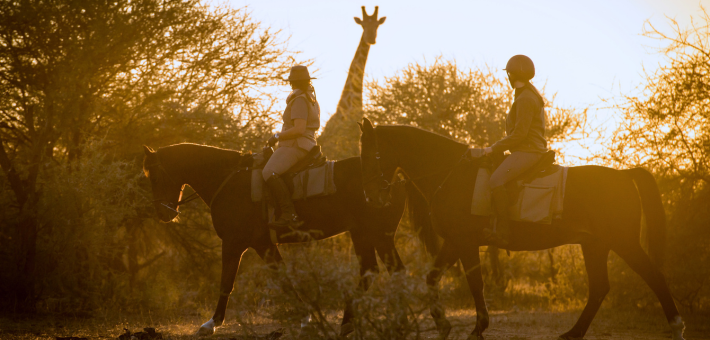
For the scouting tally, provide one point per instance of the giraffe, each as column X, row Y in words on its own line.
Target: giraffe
column 340, row 137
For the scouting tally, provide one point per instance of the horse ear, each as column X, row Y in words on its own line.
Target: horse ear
column 360, row 125
column 367, row 124
column 148, row 151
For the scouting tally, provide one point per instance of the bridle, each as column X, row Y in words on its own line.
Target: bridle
column 195, row 195
column 166, row 202
column 380, row 177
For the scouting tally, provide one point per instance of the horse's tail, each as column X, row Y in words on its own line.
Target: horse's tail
column 418, row 210
column 655, row 214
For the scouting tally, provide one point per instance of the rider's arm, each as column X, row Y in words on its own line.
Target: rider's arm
column 526, row 108
column 299, row 115
column 299, row 127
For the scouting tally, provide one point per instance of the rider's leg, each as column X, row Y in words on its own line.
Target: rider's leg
column 513, row 166
column 501, row 203
column 281, row 161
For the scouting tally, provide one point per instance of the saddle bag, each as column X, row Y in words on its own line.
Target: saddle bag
column 536, row 196
column 311, row 177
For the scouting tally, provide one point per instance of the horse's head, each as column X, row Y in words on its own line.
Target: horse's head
column 167, row 191
column 379, row 164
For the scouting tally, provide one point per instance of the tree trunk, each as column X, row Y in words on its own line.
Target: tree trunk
column 26, row 259
column 26, row 249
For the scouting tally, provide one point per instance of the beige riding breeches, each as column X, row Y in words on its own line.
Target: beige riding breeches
column 282, row 160
column 513, row 166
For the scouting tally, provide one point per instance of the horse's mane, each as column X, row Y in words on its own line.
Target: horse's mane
column 412, row 135
column 200, row 154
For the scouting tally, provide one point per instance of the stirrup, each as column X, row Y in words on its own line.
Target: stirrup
column 493, row 239
column 283, row 224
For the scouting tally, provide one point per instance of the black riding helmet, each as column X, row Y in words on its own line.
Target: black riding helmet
column 520, row 68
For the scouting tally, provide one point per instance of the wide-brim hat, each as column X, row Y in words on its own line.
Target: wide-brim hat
column 299, row 72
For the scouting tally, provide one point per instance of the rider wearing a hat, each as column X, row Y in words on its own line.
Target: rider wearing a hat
column 301, row 120
column 525, row 139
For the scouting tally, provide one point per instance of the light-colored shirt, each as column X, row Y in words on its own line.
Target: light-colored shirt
column 301, row 107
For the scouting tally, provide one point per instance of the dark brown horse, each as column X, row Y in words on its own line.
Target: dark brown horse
column 602, row 212
column 221, row 179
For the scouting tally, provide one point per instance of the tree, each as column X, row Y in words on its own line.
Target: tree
column 79, row 75
column 666, row 128
column 469, row 106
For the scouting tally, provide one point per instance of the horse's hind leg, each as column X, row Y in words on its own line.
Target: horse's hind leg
column 231, row 256
column 595, row 260
column 639, row 261
column 446, row 258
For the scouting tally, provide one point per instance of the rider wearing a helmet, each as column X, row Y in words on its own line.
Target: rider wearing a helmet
column 525, row 139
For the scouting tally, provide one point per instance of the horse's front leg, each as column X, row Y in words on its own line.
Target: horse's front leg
column 270, row 253
column 446, row 258
column 471, row 261
column 231, row 256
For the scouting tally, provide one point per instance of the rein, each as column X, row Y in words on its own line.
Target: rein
column 219, row 189
column 390, row 183
column 449, row 169
column 195, row 195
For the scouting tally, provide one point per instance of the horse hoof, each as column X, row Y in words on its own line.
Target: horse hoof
column 444, row 327
column 475, row 337
column 207, row 328
column 346, row 329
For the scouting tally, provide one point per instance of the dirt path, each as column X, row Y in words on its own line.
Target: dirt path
column 609, row 325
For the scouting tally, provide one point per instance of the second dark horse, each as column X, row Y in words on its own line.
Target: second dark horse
column 221, row 180
column 602, row 213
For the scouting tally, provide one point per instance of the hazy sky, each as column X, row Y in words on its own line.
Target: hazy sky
column 582, row 50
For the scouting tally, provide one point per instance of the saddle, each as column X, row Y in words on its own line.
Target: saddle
column 313, row 159
column 537, row 195
column 311, row 176
column 541, row 168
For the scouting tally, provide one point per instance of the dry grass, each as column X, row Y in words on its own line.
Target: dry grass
column 512, row 325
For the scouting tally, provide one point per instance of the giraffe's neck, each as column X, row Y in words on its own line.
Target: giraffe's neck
column 351, row 98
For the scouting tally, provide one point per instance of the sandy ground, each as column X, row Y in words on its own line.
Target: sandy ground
column 525, row 325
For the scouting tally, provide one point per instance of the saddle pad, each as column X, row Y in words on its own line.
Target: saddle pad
column 538, row 200
column 311, row 182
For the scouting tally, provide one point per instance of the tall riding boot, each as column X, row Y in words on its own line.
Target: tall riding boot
column 288, row 219
column 501, row 205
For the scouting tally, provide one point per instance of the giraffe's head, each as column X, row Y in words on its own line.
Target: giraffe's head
column 370, row 24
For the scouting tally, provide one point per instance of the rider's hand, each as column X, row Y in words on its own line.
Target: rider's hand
column 273, row 140
column 488, row 150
